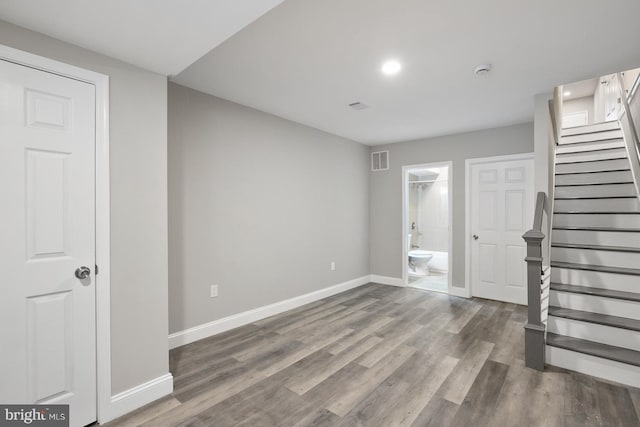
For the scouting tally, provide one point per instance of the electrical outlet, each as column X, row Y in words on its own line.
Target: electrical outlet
column 333, row 265
column 213, row 292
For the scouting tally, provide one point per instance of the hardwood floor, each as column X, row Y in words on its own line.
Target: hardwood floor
column 381, row 356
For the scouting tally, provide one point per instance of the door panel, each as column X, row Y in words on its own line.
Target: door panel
column 501, row 212
column 47, row 180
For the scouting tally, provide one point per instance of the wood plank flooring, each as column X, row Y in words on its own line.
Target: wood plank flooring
column 381, row 356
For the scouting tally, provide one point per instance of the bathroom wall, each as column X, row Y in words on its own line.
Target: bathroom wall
column 433, row 214
column 413, row 194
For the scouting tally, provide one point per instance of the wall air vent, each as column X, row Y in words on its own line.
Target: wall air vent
column 358, row 106
column 380, row 161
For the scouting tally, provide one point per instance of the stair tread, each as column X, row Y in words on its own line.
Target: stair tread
column 592, row 172
column 601, row 319
column 594, row 197
column 613, row 229
column 587, row 184
column 591, row 267
column 595, row 247
column 624, row 157
column 592, row 348
column 591, row 141
column 596, row 213
column 600, row 292
column 588, row 151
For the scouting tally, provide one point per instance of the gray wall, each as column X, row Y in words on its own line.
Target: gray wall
column 386, row 189
column 138, row 154
column 258, row 205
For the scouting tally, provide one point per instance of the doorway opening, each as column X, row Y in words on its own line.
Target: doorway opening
column 427, row 218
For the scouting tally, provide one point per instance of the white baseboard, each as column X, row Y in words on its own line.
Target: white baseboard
column 384, row 280
column 139, row 396
column 459, row 292
column 199, row 332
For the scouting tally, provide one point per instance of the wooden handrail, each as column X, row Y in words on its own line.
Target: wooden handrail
column 534, row 336
column 554, row 124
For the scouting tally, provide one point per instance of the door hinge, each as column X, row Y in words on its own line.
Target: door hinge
column 96, row 269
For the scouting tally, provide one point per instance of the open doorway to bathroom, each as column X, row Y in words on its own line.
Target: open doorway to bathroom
column 426, row 226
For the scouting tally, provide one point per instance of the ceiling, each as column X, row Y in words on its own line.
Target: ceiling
column 306, row 60
column 580, row 89
column 164, row 36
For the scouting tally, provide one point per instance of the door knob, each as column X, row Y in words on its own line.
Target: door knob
column 83, row 272
column 475, row 237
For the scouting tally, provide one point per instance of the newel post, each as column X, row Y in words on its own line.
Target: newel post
column 534, row 335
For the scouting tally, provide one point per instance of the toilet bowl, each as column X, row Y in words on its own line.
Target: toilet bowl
column 419, row 262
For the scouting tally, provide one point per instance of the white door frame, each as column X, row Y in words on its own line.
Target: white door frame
column 102, row 279
column 467, row 201
column 405, row 216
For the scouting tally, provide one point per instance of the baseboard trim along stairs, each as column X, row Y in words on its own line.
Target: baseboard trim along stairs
column 593, row 323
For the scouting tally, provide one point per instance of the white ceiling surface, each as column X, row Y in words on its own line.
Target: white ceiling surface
column 580, row 89
column 306, row 60
column 164, row 36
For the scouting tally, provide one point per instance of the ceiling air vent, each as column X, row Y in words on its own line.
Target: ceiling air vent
column 358, row 106
column 380, row 161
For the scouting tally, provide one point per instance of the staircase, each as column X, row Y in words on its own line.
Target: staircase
column 593, row 323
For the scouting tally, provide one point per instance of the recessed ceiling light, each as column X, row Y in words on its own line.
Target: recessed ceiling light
column 391, row 67
column 567, row 93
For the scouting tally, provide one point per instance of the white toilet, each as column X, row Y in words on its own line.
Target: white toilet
column 418, row 260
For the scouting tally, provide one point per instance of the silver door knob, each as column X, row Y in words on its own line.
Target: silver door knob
column 475, row 237
column 83, row 272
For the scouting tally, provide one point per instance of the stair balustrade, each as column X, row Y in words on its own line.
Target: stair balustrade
column 534, row 336
column 629, row 124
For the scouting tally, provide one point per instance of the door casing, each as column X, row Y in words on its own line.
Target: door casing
column 405, row 217
column 102, row 279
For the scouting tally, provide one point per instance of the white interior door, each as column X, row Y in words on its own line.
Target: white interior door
column 578, row 118
column 502, row 202
column 47, row 183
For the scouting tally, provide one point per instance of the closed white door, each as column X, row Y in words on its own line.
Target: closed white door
column 47, row 185
column 502, row 203
column 579, row 118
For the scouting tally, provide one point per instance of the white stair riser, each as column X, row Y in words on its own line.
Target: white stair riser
column 596, row 279
column 610, row 335
column 607, row 165
column 594, row 178
column 597, row 220
column 589, row 156
column 602, row 238
column 595, row 366
column 588, row 146
column 593, row 136
column 595, row 304
column 598, row 127
column 606, row 190
column 596, row 257
column 597, row 205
